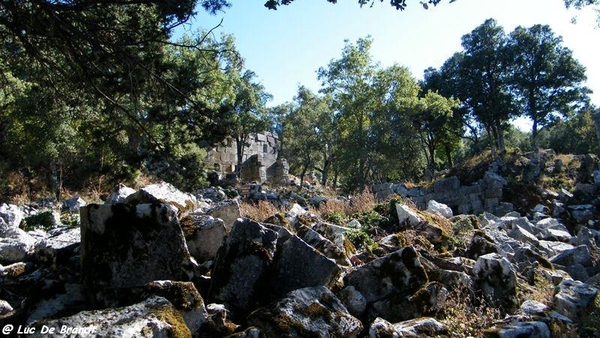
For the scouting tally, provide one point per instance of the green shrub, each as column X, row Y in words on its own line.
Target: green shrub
column 42, row 220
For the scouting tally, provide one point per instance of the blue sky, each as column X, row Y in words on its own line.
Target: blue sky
column 286, row 47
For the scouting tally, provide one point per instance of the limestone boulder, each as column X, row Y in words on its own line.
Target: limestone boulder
column 70, row 297
column 426, row 301
column 407, row 216
column 125, row 246
column 229, row 211
column 120, row 194
column 15, row 246
column 496, row 278
column 307, row 312
column 10, row 217
column 523, row 329
column 241, row 270
column 204, row 235
column 185, row 298
column 163, row 193
column 154, row 317
column 298, row 265
column 323, row 245
column 73, row 204
column 420, row 327
column 353, row 300
column 435, row 207
column 60, row 245
column 573, row 298
column 400, row 272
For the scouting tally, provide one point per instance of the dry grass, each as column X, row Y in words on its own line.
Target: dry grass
column 259, row 211
column 466, row 316
column 354, row 205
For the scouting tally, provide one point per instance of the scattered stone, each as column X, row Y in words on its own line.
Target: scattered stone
column 15, row 246
column 533, row 308
column 398, row 272
column 324, row 245
column 163, row 193
column 185, row 298
column 573, row 298
column 525, row 329
column 120, row 194
column 307, row 312
column 59, row 245
column 229, row 211
column 497, row 279
column 240, row 274
column 298, row 265
column 5, row 308
column 204, row 235
column 406, row 216
column 581, row 213
column 73, row 204
column 353, row 300
column 124, row 246
column 439, row 208
column 10, row 217
column 72, row 297
column 154, row 317
column 426, row 301
column 578, row 255
column 420, row 327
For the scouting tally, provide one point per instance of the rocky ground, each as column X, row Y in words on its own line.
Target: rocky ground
column 158, row 262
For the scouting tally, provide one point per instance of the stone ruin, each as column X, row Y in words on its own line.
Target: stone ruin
column 260, row 161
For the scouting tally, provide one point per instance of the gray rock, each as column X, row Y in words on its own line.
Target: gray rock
column 353, row 300
column 73, row 204
column 578, row 255
column 426, row 301
column 324, row 245
column 242, row 265
column 185, row 298
column 154, row 317
column 581, row 213
column 124, row 246
column 120, row 194
column 407, row 216
column 573, row 298
column 553, row 234
column 58, row 242
column 420, row 327
column 439, row 208
column 10, row 217
column 496, row 277
column 5, row 308
column 229, row 211
column 163, row 193
column 398, row 272
column 204, row 235
column 298, row 265
column 72, row 297
column 525, row 329
column 15, row 246
column 533, row 308
column 308, row 312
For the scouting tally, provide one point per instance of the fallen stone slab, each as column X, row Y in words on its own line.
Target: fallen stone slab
column 204, row 235
column 496, row 278
column 398, row 272
column 307, row 312
column 154, row 317
column 573, row 298
column 420, row 327
column 163, row 193
column 229, row 211
column 125, row 246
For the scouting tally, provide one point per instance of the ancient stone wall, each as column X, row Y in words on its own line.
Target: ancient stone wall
column 260, row 163
column 483, row 195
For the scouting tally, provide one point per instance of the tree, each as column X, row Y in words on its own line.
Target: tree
column 483, row 78
column 437, row 126
column 545, row 78
column 374, row 108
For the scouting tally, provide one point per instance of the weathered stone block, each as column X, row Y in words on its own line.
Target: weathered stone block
column 450, row 184
column 124, row 246
column 308, row 312
column 398, row 272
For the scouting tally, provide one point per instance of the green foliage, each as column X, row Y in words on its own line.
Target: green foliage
column 576, row 135
column 336, row 218
column 42, row 220
column 360, row 239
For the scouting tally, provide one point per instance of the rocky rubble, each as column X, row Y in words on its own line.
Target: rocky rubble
column 159, row 262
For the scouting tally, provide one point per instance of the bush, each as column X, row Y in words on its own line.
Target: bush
column 44, row 220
